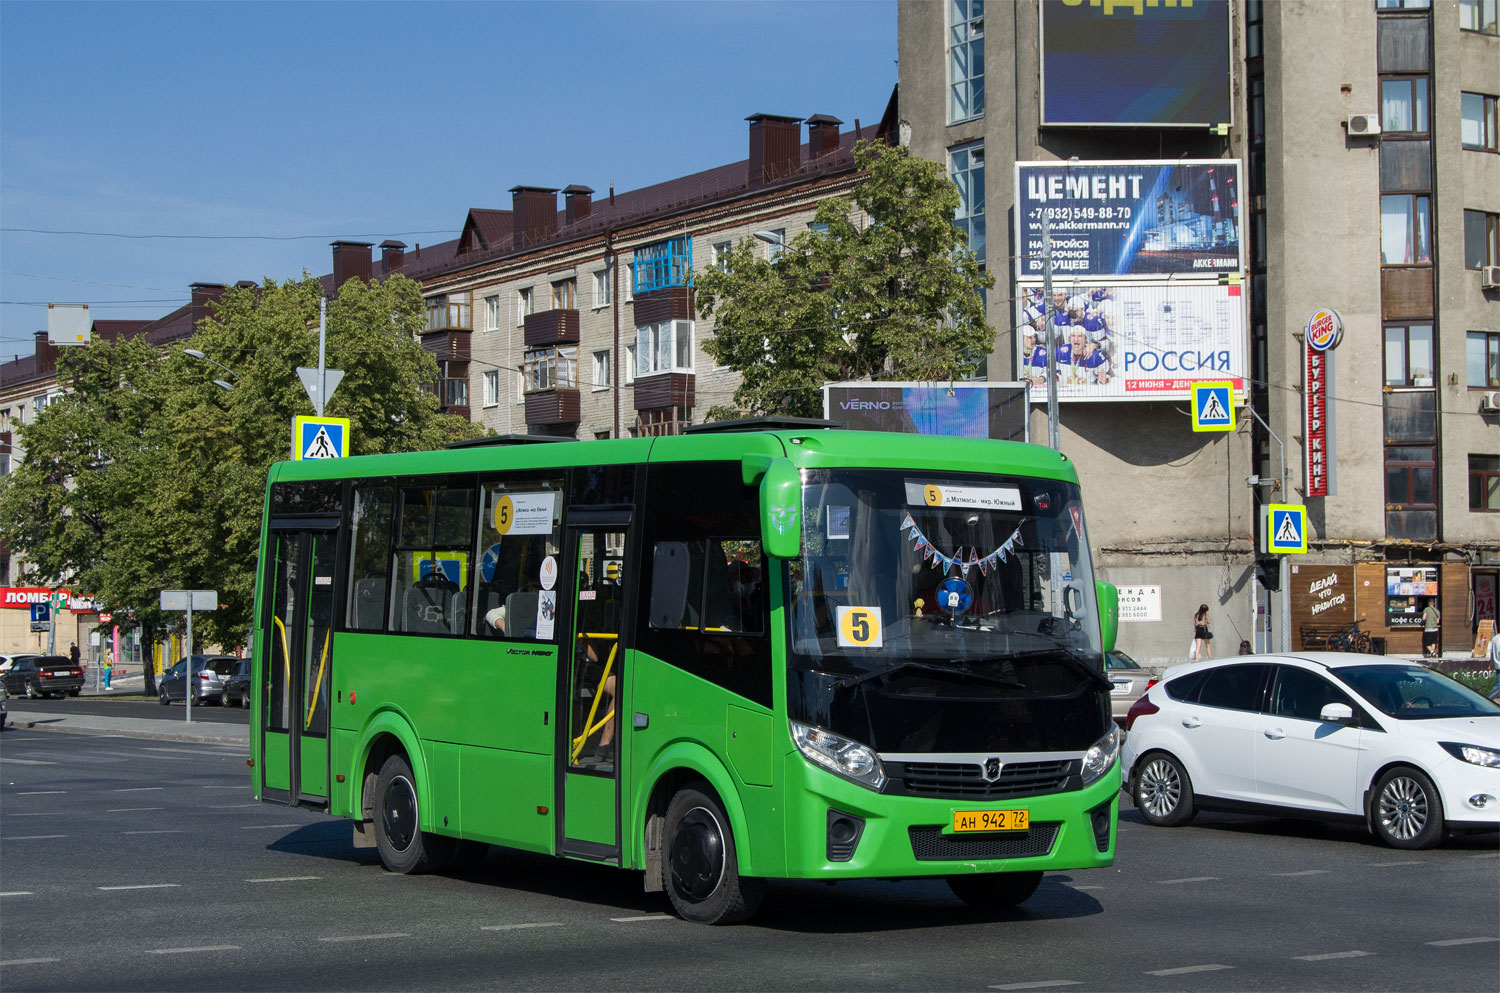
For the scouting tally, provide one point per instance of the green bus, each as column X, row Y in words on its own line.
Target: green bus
column 756, row 650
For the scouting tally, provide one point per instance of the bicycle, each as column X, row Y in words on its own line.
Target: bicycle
column 1351, row 640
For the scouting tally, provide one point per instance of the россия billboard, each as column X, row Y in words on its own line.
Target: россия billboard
column 1136, row 63
column 1171, row 219
column 1131, row 341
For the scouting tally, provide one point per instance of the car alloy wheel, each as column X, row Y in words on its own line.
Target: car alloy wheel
column 1161, row 788
column 1403, row 808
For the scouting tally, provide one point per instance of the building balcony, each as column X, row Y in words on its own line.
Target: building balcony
column 666, row 389
column 449, row 317
column 552, row 327
column 447, row 346
column 553, row 406
column 452, row 394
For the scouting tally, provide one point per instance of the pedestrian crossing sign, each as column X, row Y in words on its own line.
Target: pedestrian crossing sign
column 1286, row 528
column 320, row 438
column 1213, row 406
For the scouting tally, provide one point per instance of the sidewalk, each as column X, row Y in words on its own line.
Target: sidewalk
column 132, row 721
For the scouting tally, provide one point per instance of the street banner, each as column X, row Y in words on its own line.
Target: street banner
column 1146, row 219
column 965, row 410
column 1132, row 341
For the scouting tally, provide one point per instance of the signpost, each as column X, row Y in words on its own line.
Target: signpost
column 189, row 601
column 1213, row 407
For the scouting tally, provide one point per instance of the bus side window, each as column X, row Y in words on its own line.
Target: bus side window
column 369, row 561
column 520, row 523
column 432, row 567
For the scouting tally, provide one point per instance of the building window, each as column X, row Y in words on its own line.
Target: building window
column 1405, row 229
column 491, row 387
column 492, row 312
column 721, row 254
column 601, row 370
column 565, row 294
column 40, row 403
column 965, row 60
column 664, row 264
column 449, row 313
column 1408, row 355
column 775, row 247
column 525, row 304
column 1484, row 483
column 1402, row 4
column 1411, row 477
column 601, row 288
column 966, row 167
column 1477, row 15
column 664, row 347
column 1481, row 238
column 1483, row 359
column 1479, row 122
column 629, row 282
column 630, row 364
column 1403, row 104
column 550, row 369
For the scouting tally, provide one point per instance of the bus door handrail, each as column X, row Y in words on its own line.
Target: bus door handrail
column 589, row 727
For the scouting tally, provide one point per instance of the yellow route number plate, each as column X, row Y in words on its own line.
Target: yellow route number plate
column 991, row 820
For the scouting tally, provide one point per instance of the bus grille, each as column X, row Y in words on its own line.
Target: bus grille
column 930, row 844
column 965, row 780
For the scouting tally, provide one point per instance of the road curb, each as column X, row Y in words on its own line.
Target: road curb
column 129, row 728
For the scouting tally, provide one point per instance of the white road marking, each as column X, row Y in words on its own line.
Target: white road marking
column 156, row 831
column 44, row 813
column 190, row 751
column 1486, row 855
column 27, row 961
column 1304, row 872
column 646, row 917
column 1331, row 955
column 17, row 893
column 1387, row 865
column 138, row 789
column 245, row 788
column 143, row 886
column 368, row 937
column 199, row 948
column 518, row 927
column 131, row 810
column 1187, row 969
column 1082, row 888
column 7, row 758
column 234, row 806
column 254, row 827
column 282, row 879
column 1040, row 985
column 42, row 793
column 1189, row 879
column 34, row 837
column 1447, row 942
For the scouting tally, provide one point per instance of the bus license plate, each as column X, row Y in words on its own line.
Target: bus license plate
column 991, row 820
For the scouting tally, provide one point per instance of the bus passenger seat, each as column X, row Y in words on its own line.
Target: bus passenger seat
column 520, row 615
column 433, row 606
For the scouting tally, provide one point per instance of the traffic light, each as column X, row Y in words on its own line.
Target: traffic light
column 1268, row 571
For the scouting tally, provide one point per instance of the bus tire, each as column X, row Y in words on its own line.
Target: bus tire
column 404, row 847
column 995, row 890
column 700, row 866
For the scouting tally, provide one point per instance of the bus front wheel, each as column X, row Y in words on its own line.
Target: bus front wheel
column 703, row 879
column 404, row 847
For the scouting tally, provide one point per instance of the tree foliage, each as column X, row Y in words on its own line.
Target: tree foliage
column 146, row 476
column 896, row 297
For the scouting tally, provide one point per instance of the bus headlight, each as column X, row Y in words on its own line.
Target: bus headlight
column 838, row 754
column 1098, row 759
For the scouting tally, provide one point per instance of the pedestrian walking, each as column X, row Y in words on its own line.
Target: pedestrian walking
column 108, row 670
column 1432, row 621
column 73, row 653
column 1203, row 638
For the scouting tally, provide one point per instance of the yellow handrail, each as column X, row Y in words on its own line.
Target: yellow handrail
column 286, row 651
column 588, row 724
column 327, row 639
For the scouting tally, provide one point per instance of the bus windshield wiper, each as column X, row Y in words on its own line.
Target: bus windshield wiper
column 958, row 667
column 1073, row 659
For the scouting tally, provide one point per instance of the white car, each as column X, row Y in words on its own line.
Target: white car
column 1387, row 742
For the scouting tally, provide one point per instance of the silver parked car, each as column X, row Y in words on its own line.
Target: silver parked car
column 209, row 673
column 1128, row 680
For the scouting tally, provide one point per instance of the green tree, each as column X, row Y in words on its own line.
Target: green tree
column 146, row 476
column 898, row 297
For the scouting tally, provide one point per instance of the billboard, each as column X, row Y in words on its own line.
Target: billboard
column 1132, row 341
column 963, row 410
column 1135, row 63
column 1148, row 219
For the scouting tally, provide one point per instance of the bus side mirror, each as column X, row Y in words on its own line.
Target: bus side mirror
column 1108, row 596
column 780, row 504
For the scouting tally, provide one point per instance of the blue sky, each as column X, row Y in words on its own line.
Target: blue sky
column 370, row 121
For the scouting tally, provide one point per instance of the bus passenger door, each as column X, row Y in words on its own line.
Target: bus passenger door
column 298, row 635
column 595, row 679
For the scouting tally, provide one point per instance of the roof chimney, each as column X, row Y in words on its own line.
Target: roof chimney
column 775, row 147
column 822, row 135
column 533, row 213
column 578, row 203
column 392, row 256
column 350, row 259
column 202, row 295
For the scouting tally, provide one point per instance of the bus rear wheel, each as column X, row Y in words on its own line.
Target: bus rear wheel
column 703, row 880
column 404, row 847
column 995, row 890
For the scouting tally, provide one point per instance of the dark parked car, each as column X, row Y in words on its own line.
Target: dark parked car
column 209, row 673
column 237, row 686
column 44, row 675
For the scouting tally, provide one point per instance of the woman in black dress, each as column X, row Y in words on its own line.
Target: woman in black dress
column 1203, row 638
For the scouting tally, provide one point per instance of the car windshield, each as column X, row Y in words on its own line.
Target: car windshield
column 972, row 573
column 1119, row 660
column 1414, row 692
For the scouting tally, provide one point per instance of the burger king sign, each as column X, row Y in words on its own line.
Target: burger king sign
column 1325, row 330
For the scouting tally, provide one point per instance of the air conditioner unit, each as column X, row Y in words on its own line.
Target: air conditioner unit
column 1489, row 277
column 1489, row 403
column 1363, row 125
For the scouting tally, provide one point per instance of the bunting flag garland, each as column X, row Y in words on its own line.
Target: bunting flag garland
column 922, row 544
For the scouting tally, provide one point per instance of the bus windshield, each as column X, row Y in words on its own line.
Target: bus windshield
column 918, row 587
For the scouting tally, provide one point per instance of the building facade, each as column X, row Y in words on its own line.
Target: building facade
column 1368, row 192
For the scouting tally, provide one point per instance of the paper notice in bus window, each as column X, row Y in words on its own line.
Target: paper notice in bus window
column 546, row 613
column 924, row 494
column 523, row 513
column 838, row 522
column 859, row 627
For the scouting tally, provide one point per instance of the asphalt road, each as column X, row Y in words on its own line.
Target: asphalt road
column 135, row 864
